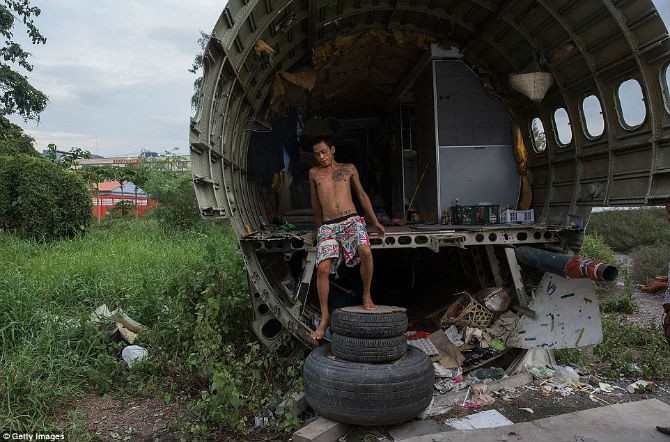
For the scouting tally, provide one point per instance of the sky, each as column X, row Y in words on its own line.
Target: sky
column 116, row 72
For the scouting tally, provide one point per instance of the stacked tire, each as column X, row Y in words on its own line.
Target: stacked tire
column 368, row 375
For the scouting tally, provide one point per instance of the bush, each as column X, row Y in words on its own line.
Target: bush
column 624, row 230
column 209, row 330
column 595, row 247
column 40, row 200
column 178, row 205
column 649, row 261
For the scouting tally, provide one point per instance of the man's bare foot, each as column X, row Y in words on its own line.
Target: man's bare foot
column 368, row 304
column 320, row 331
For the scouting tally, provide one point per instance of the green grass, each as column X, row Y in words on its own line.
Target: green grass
column 50, row 355
column 631, row 350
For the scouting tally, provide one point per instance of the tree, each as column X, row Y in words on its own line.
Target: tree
column 14, row 141
column 199, row 63
column 17, row 95
column 67, row 159
column 40, row 200
column 539, row 137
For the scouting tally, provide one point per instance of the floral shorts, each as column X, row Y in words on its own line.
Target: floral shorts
column 339, row 239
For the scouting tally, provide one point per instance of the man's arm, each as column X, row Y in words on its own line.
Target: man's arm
column 365, row 201
column 314, row 197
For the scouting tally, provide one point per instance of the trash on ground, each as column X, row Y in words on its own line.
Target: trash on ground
column 448, row 354
column 261, row 421
column 529, row 410
column 483, row 419
column 443, row 372
column 122, row 318
column 124, row 329
column 641, row 386
column 120, row 333
column 490, row 373
column 454, row 336
column 477, row 396
column 607, row 388
column 497, row 344
column 540, row 373
column 496, row 299
column 566, row 373
column 134, row 353
column 417, row 335
column 503, row 327
column 424, row 344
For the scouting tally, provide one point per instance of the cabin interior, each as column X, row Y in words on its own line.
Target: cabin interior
column 452, row 111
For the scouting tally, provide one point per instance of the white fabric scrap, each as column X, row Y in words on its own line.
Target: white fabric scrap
column 424, row 344
column 454, row 336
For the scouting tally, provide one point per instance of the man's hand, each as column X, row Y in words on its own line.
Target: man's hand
column 380, row 229
column 659, row 284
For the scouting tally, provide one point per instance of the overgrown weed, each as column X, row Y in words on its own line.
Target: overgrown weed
column 194, row 304
column 625, row 230
column 649, row 261
column 630, row 350
column 623, row 303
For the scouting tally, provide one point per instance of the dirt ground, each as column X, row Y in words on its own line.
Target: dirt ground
column 106, row 418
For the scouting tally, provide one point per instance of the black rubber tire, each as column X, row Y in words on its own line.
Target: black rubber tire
column 370, row 350
column 368, row 325
column 368, row 394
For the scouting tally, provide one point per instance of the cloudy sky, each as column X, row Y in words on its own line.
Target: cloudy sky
column 116, row 72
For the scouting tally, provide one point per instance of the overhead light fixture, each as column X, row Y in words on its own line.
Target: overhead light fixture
column 532, row 82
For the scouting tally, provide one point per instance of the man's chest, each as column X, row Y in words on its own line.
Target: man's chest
column 337, row 178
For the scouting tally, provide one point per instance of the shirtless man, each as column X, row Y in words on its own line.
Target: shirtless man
column 341, row 232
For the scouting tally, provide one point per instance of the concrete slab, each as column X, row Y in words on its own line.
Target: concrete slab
column 320, row 430
column 483, row 419
column 631, row 421
column 296, row 404
column 417, row 428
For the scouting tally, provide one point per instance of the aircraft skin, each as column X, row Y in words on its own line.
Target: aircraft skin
column 448, row 109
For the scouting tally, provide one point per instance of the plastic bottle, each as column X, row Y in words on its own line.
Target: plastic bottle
column 443, row 219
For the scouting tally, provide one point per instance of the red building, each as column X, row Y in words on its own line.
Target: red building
column 108, row 194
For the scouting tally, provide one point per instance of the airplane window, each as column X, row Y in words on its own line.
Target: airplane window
column 538, row 136
column 562, row 127
column 592, row 113
column 631, row 104
column 665, row 85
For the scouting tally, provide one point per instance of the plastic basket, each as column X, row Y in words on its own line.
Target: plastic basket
column 487, row 214
column 518, row 216
column 470, row 215
column 463, row 215
column 467, row 311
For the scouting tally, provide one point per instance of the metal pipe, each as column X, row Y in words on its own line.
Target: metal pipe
column 567, row 266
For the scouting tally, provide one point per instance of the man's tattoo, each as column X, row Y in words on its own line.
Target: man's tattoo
column 343, row 172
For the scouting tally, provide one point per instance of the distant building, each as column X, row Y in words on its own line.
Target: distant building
column 181, row 163
column 107, row 195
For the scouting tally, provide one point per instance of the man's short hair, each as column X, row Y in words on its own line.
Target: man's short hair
column 322, row 138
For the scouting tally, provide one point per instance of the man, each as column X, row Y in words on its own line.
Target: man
column 661, row 283
column 341, row 231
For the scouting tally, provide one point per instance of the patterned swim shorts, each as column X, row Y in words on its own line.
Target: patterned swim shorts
column 339, row 239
